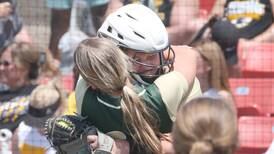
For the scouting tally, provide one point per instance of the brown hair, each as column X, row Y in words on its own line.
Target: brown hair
column 212, row 53
column 205, row 126
column 27, row 56
column 104, row 66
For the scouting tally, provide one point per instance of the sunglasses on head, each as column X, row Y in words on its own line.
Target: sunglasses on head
column 5, row 63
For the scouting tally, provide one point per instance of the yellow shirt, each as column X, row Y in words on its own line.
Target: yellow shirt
column 71, row 104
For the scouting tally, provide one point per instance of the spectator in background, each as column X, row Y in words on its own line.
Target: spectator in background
column 11, row 27
column 60, row 18
column 181, row 17
column 20, row 67
column 46, row 101
column 5, row 9
column 246, row 20
column 185, row 20
column 212, row 70
column 205, row 126
column 252, row 19
column 67, row 45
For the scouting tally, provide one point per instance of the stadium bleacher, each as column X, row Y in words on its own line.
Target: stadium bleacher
column 255, row 134
column 256, row 60
column 254, row 93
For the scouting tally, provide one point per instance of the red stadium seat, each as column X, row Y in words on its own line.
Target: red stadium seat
column 256, row 60
column 206, row 5
column 255, row 134
column 250, row 110
column 252, row 92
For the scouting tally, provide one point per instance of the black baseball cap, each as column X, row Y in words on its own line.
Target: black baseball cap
column 226, row 35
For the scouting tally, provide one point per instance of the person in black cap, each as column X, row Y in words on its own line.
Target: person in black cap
column 245, row 20
column 227, row 36
column 227, row 42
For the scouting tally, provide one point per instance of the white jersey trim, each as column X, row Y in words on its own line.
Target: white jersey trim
column 107, row 104
column 80, row 91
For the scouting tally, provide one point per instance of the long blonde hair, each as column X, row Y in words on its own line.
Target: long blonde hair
column 212, row 53
column 205, row 126
column 28, row 56
column 105, row 67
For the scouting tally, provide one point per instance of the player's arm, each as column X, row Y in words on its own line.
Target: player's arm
column 185, row 62
column 180, row 85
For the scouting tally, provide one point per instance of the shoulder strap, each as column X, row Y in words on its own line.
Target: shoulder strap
column 202, row 30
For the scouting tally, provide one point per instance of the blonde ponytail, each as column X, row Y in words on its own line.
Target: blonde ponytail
column 205, row 126
column 139, row 120
column 201, row 147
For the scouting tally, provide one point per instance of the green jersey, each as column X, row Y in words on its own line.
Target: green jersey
column 162, row 97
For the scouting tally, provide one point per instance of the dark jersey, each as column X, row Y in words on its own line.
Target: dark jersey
column 251, row 17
